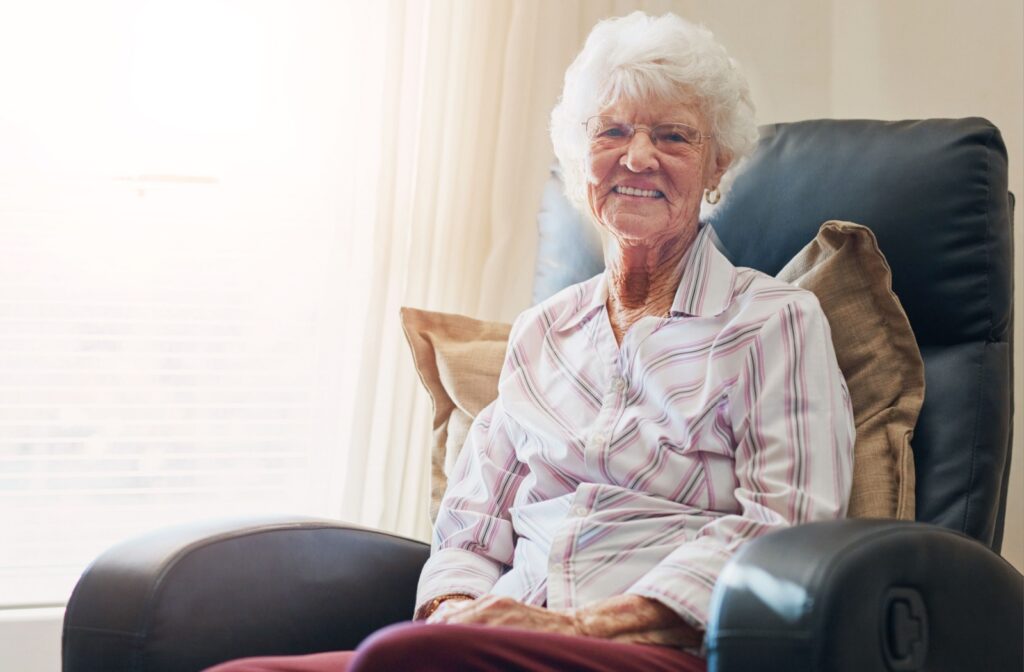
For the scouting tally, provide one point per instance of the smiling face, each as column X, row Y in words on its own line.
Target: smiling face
column 640, row 192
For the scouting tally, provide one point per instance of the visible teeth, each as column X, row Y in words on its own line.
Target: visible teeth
column 630, row 191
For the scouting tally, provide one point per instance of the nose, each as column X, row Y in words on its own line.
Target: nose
column 641, row 155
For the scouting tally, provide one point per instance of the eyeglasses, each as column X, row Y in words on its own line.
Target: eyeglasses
column 607, row 132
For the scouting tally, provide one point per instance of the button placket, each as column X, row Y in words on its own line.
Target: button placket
column 555, row 567
column 559, row 584
column 579, row 508
column 602, row 431
column 600, row 434
column 596, row 437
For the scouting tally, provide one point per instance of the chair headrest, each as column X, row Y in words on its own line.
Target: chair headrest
column 934, row 192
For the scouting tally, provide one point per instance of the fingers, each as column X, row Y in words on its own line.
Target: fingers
column 504, row 611
column 482, row 610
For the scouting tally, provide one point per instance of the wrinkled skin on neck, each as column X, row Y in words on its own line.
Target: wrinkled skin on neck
column 642, row 279
column 649, row 203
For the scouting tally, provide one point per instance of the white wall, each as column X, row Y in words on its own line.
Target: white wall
column 30, row 639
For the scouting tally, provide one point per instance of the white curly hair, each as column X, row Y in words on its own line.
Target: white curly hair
column 637, row 57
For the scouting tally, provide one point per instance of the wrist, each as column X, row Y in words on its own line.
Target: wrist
column 430, row 607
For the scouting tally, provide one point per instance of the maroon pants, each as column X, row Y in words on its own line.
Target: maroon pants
column 418, row 647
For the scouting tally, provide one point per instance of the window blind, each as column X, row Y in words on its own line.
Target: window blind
column 148, row 375
column 174, row 201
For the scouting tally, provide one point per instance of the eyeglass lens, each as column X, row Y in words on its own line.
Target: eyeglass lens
column 608, row 132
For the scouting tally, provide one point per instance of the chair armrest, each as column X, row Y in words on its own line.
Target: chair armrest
column 863, row 595
column 188, row 597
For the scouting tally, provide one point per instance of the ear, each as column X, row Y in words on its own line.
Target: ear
column 721, row 162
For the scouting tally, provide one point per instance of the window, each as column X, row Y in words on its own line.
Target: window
column 171, row 331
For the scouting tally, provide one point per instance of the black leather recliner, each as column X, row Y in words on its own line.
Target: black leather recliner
column 851, row 595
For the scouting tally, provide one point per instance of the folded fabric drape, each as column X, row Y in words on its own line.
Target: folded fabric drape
column 449, row 224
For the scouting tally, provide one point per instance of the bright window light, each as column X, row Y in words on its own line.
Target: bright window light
column 176, row 186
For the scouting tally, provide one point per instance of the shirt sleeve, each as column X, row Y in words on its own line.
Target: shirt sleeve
column 473, row 540
column 794, row 435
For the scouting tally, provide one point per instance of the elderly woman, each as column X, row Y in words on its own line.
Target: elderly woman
column 650, row 420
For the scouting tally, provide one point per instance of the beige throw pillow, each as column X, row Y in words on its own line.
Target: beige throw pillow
column 459, row 360
column 879, row 358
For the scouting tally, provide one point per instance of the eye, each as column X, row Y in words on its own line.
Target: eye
column 608, row 130
column 676, row 135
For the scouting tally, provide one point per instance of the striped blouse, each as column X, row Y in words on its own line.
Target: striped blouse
column 640, row 468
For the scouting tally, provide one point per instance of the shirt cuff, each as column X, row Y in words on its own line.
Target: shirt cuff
column 454, row 570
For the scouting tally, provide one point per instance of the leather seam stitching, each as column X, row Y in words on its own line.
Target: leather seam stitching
column 991, row 323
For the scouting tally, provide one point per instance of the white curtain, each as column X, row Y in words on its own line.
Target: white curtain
column 468, row 87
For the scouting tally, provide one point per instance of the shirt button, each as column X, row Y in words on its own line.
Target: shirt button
column 579, row 511
column 618, row 383
column 557, row 567
column 597, row 441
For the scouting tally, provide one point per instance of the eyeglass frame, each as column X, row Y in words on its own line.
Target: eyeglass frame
column 701, row 135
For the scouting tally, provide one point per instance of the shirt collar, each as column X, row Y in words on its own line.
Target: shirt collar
column 598, row 299
column 708, row 280
column 705, row 288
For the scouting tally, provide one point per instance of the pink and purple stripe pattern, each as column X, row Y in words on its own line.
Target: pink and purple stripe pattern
column 640, row 468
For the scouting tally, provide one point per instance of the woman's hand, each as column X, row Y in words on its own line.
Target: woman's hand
column 624, row 618
column 637, row 620
column 507, row 612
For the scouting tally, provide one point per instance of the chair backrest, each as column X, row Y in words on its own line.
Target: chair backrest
column 935, row 194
